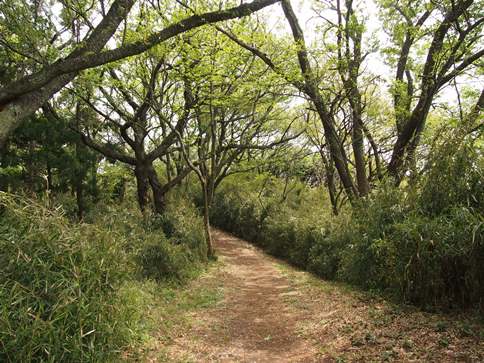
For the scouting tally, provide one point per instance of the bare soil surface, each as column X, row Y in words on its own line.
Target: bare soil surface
column 271, row 312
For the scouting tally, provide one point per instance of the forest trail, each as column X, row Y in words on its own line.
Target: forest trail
column 254, row 323
column 271, row 312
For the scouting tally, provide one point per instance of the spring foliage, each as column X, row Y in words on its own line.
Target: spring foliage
column 71, row 292
column 421, row 244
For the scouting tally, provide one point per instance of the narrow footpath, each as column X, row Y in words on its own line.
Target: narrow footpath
column 270, row 312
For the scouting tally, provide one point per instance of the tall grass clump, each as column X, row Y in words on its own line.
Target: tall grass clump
column 77, row 292
column 58, row 286
column 174, row 246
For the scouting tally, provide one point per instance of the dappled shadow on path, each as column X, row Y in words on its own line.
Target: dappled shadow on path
column 254, row 322
column 273, row 313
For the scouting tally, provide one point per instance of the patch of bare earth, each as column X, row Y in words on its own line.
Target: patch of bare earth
column 274, row 313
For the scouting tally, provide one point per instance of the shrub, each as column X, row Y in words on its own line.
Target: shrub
column 58, row 287
column 441, row 258
column 186, row 226
column 329, row 241
column 174, row 243
column 73, row 292
column 367, row 250
column 396, row 240
column 455, row 178
column 162, row 260
column 168, row 246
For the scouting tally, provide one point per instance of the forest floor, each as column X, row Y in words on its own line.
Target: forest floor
column 250, row 307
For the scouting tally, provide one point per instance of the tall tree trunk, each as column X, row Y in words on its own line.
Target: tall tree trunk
column 329, row 169
column 94, row 186
column 435, row 63
column 169, row 168
column 408, row 139
column 376, row 154
column 206, row 220
column 359, row 152
column 335, row 148
column 349, row 64
column 79, row 198
column 157, row 189
column 142, row 186
column 49, row 177
column 311, row 89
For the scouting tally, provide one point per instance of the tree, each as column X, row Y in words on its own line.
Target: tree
column 309, row 86
column 133, row 107
column 453, row 46
column 235, row 110
column 350, row 58
column 23, row 96
column 45, row 157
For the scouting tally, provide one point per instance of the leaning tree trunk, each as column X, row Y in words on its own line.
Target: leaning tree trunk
column 310, row 87
column 336, row 151
column 357, row 142
column 330, row 180
column 20, row 99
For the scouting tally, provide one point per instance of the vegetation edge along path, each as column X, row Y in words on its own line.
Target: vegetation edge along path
column 273, row 312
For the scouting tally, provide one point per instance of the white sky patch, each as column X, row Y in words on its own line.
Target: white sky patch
column 310, row 21
column 374, row 63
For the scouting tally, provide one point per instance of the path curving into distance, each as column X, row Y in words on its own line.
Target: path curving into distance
column 271, row 312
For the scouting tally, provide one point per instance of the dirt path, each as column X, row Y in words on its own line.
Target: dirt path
column 273, row 313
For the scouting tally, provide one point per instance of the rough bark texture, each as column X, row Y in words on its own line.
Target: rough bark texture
column 206, row 221
column 23, row 97
column 80, row 199
column 142, row 186
column 349, row 63
column 330, row 181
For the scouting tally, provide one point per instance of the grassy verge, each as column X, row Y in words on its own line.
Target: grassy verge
column 354, row 325
column 171, row 312
column 76, row 292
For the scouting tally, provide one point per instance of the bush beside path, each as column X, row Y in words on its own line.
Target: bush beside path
column 271, row 312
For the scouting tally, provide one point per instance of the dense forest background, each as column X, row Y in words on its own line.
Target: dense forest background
column 128, row 128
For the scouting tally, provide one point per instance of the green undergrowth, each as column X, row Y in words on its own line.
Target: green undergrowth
column 75, row 292
column 416, row 243
column 376, row 327
column 170, row 313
